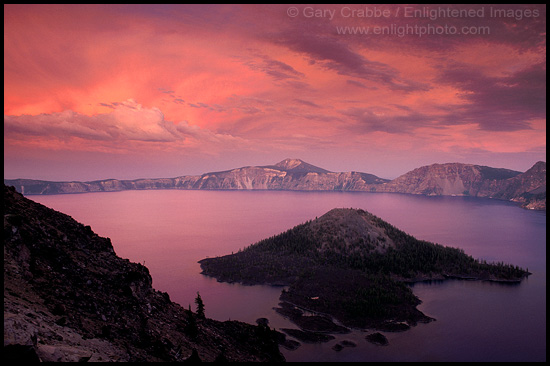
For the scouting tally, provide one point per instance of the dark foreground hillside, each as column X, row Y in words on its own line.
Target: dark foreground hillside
column 68, row 297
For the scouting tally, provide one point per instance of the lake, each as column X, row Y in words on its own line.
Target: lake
column 170, row 230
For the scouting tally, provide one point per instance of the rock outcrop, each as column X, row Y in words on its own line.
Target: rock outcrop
column 528, row 188
column 450, row 179
column 69, row 297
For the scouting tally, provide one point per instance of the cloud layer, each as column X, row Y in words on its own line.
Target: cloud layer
column 229, row 85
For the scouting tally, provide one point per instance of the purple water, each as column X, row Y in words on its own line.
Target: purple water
column 171, row 230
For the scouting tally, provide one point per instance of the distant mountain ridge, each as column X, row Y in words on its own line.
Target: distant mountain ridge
column 528, row 188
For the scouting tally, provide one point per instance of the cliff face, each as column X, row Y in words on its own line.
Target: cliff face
column 68, row 297
column 274, row 179
column 450, row 179
column 289, row 174
column 528, row 188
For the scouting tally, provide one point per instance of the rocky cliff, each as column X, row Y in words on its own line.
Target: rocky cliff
column 69, row 297
column 527, row 188
column 449, row 179
column 289, row 174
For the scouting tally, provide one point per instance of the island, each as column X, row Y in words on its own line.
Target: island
column 351, row 269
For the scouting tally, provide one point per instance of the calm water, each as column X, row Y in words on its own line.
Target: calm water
column 170, row 231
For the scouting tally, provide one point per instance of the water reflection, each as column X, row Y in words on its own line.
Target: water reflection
column 476, row 320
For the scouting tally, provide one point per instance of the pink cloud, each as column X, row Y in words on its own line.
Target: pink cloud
column 127, row 121
column 244, row 81
column 129, row 126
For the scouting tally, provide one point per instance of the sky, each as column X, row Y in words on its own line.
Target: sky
column 150, row 91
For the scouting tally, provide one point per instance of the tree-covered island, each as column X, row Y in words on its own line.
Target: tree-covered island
column 354, row 267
